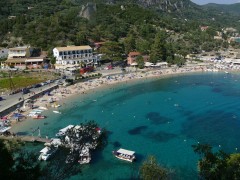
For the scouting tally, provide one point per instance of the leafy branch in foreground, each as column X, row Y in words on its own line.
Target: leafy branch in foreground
column 150, row 170
column 217, row 165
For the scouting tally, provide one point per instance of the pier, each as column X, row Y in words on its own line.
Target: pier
column 26, row 138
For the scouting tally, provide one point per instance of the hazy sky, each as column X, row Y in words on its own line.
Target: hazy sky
column 215, row 1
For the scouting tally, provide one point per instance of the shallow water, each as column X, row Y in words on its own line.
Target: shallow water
column 163, row 117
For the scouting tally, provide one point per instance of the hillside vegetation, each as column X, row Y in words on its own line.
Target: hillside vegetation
column 227, row 8
column 134, row 24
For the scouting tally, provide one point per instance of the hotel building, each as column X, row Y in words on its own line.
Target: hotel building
column 73, row 56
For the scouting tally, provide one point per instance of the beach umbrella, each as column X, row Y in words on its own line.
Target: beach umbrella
column 4, row 118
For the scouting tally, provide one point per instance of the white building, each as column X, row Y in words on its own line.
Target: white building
column 3, row 53
column 22, row 57
column 19, row 52
column 73, row 56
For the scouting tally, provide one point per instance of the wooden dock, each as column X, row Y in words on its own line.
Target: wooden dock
column 26, row 138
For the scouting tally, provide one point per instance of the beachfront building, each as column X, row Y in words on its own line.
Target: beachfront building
column 26, row 57
column 74, row 56
column 131, row 59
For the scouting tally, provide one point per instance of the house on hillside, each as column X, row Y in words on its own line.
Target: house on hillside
column 204, row 28
column 23, row 57
column 74, row 56
column 3, row 53
column 234, row 39
column 237, row 54
column 131, row 59
column 97, row 45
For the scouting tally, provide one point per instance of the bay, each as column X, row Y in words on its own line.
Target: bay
column 160, row 117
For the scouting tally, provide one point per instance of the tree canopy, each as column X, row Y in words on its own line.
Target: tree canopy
column 217, row 165
column 150, row 169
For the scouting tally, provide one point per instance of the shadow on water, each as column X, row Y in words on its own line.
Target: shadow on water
column 161, row 136
column 109, row 133
column 156, row 118
column 140, row 158
column 116, row 144
column 217, row 90
column 97, row 156
column 215, row 128
column 137, row 130
column 183, row 173
column 22, row 133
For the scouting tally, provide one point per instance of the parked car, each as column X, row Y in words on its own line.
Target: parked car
column 108, row 67
column 43, row 83
column 1, row 98
column 37, row 85
column 25, row 90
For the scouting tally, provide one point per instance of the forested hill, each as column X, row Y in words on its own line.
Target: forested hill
column 132, row 23
column 227, row 8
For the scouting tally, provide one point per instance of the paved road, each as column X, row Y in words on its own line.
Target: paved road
column 11, row 100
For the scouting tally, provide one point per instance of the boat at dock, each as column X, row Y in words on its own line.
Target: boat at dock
column 125, row 155
column 57, row 112
column 85, row 156
column 47, row 152
column 64, row 130
column 54, row 142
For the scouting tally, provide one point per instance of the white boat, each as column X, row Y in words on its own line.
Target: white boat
column 84, row 159
column 3, row 129
column 42, row 108
column 37, row 110
column 31, row 114
column 54, row 142
column 47, row 152
column 64, row 130
column 125, row 155
column 56, row 105
column 57, row 112
column 85, row 156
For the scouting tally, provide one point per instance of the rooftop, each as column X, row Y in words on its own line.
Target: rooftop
column 73, row 48
column 124, row 151
column 134, row 53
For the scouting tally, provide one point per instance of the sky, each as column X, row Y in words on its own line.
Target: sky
column 215, row 1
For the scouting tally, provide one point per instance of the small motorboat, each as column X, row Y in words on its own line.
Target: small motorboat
column 47, row 152
column 57, row 112
column 55, row 105
column 39, row 116
column 42, row 108
column 125, row 155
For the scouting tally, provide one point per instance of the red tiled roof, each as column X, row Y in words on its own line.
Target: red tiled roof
column 134, row 53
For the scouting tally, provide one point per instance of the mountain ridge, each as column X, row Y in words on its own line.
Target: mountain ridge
column 227, row 8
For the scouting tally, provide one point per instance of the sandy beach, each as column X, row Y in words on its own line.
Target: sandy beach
column 56, row 97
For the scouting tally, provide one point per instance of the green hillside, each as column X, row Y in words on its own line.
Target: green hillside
column 135, row 26
column 231, row 9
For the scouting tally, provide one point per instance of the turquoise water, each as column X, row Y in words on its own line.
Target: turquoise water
column 161, row 117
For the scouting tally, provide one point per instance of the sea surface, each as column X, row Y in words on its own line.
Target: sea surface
column 160, row 117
